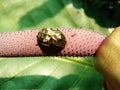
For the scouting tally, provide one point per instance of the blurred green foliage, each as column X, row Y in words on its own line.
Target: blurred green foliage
column 55, row 73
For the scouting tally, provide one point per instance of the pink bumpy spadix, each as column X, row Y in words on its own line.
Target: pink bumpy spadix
column 24, row 43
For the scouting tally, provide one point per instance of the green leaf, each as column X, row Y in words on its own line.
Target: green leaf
column 54, row 73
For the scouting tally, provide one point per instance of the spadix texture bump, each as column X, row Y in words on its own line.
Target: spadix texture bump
column 24, row 43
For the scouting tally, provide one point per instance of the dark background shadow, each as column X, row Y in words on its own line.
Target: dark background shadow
column 48, row 82
column 105, row 12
